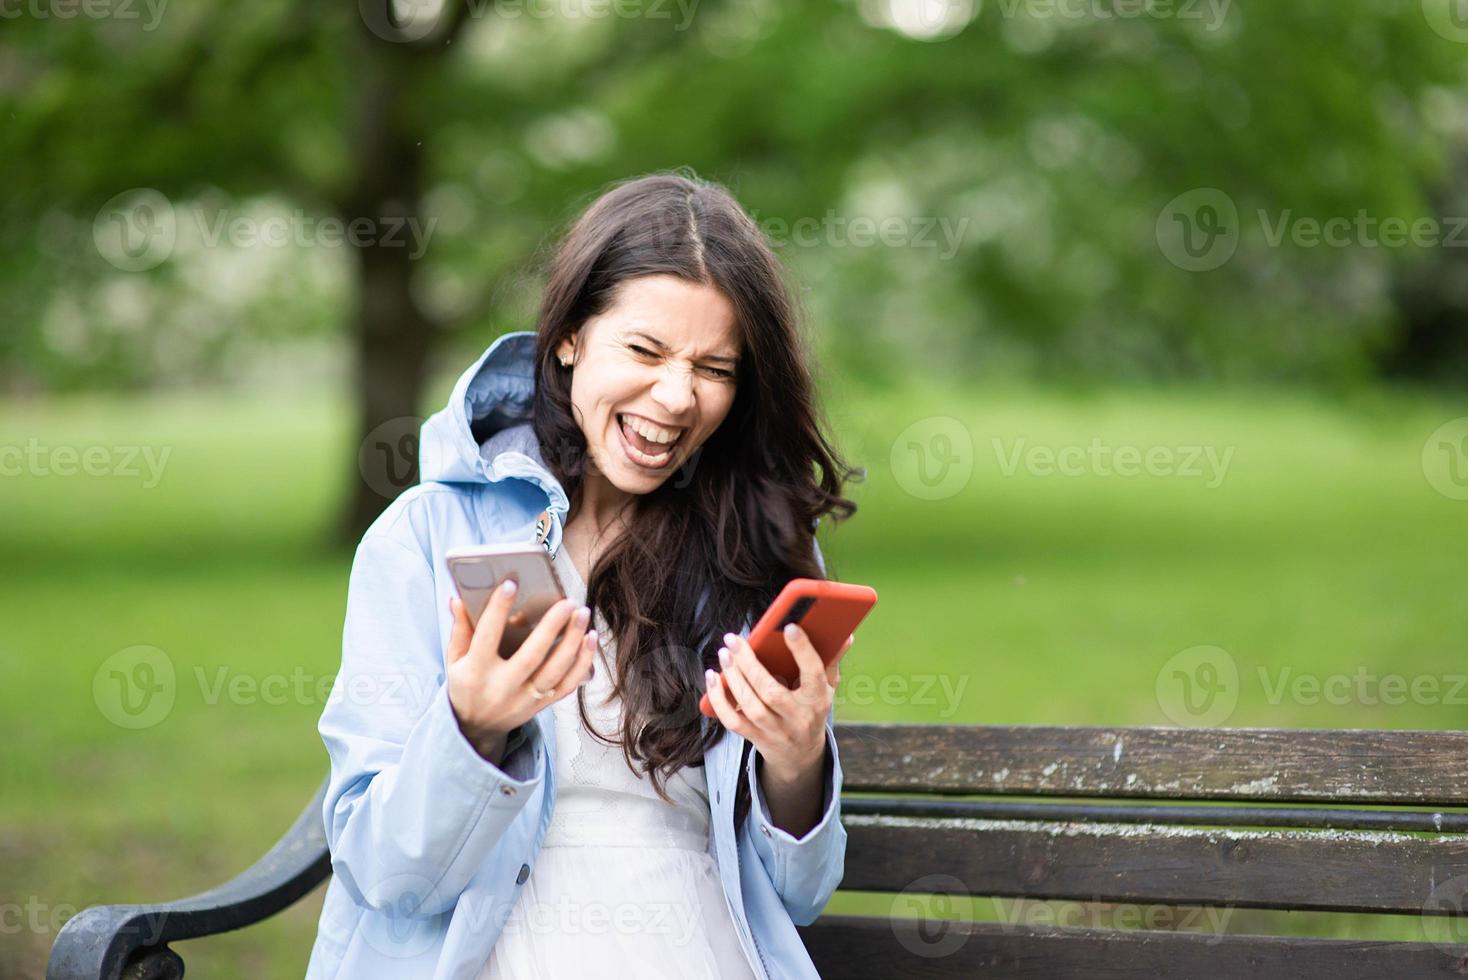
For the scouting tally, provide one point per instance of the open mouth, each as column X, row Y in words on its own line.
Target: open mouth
column 646, row 448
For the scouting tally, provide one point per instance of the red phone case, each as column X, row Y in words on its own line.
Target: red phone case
column 833, row 613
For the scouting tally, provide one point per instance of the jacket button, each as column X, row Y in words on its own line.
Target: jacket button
column 507, row 790
column 524, row 873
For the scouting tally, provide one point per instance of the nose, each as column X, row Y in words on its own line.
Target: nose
column 674, row 391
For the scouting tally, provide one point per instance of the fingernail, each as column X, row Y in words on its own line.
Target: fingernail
column 724, row 656
column 509, row 587
column 730, row 639
column 710, row 679
column 789, row 631
column 582, row 615
column 591, row 638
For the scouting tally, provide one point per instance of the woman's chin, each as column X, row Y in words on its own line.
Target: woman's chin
column 626, row 473
column 631, row 479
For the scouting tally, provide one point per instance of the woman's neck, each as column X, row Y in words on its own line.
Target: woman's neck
column 600, row 507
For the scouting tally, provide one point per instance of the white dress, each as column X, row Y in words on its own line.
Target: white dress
column 624, row 884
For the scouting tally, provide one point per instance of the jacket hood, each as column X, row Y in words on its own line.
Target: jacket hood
column 483, row 434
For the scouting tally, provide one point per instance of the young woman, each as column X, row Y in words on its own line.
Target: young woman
column 565, row 810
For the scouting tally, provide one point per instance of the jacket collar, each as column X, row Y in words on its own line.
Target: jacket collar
column 484, row 433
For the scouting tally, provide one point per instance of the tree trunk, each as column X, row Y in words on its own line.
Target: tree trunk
column 1430, row 342
column 392, row 338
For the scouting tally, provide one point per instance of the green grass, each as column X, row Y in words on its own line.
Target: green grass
column 1015, row 598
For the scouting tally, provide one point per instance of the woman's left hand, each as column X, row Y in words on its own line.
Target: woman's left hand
column 787, row 725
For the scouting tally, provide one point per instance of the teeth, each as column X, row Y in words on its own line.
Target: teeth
column 650, row 431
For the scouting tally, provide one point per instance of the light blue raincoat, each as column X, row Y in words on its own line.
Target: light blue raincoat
column 430, row 843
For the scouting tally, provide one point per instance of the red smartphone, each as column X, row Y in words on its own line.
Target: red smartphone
column 828, row 611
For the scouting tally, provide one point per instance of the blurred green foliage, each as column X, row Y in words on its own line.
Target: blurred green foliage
column 1025, row 149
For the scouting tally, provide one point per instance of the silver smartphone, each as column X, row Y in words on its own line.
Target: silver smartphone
column 478, row 570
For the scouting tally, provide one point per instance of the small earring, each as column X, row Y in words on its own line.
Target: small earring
column 565, row 362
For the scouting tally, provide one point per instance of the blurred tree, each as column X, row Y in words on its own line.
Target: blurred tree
column 964, row 188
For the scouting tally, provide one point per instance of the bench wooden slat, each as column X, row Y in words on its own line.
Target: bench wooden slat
column 1356, row 871
column 1286, row 765
column 858, row 946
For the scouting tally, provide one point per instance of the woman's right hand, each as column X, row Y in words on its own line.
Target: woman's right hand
column 493, row 695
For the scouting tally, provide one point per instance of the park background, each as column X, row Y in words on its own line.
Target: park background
column 1145, row 320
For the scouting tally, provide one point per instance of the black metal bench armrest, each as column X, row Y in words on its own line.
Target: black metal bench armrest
column 112, row 942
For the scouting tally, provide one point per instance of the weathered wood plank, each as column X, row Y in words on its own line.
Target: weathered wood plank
column 852, row 947
column 1267, row 815
column 1287, row 765
column 1356, row 871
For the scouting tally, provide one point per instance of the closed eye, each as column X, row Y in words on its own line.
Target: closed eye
column 719, row 373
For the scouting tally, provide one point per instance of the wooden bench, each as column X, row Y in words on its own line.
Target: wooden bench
column 1155, row 818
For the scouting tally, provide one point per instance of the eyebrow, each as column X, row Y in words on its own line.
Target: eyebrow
column 664, row 348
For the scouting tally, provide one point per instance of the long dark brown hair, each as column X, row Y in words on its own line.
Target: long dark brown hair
column 737, row 521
